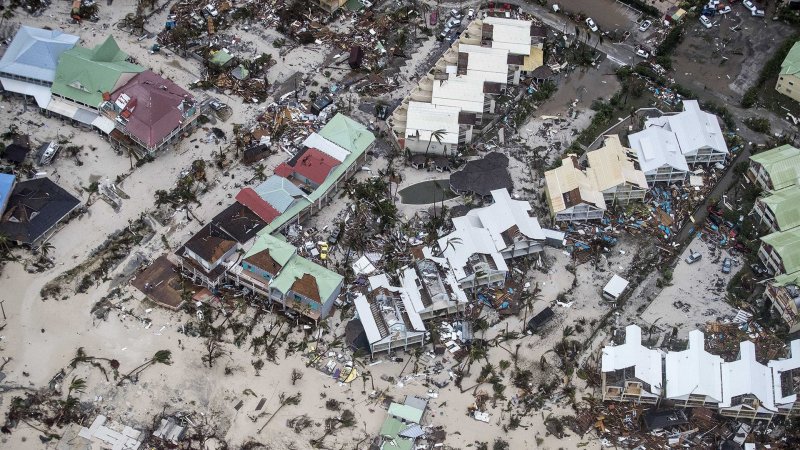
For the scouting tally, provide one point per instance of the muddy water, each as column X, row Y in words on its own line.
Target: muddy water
column 608, row 14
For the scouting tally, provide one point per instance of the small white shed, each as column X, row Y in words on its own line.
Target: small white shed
column 615, row 287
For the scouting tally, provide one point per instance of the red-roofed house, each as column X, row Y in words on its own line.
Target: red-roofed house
column 310, row 166
column 150, row 112
column 250, row 198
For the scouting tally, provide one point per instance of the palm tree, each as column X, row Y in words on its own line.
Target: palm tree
column 77, row 385
column 436, row 134
column 451, row 243
column 160, row 357
column 528, row 301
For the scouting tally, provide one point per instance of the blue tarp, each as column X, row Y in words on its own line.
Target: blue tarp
column 6, row 187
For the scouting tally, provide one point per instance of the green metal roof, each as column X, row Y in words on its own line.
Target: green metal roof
column 405, row 412
column 782, row 164
column 280, row 250
column 787, row 245
column 344, row 130
column 83, row 74
column 327, row 280
column 786, row 280
column 785, row 206
column 791, row 64
column 221, row 57
column 347, row 133
column 389, row 431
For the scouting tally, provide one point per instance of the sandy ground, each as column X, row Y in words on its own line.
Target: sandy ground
column 697, row 293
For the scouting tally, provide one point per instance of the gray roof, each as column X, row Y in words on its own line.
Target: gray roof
column 278, row 192
column 34, row 53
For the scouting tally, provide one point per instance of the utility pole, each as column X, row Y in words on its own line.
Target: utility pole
column 3, row 309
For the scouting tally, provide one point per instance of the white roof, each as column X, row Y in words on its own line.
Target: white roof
column 511, row 34
column 487, row 64
column 464, row 92
column 480, row 231
column 747, row 376
column 315, row 140
column 656, row 147
column 694, row 371
column 616, row 286
column 363, row 266
column 693, row 128
column 782, row 365
column 407, row 295
column 503, row 214
column 646, row 362
column 41, row 93
column 424, row 118
column 366, row 318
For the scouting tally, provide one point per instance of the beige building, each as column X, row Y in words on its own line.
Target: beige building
column 789, row 78
column 611, row 177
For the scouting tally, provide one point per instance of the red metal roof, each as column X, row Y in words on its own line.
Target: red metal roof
column 250, row 199
column 154, row 106
column 284, row 170
column 315, row 165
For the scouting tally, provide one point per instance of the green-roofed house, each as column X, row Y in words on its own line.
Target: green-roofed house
column 273, row 269
column 390, row 435
column 780, row 252
column 775, row 169
column 789, row 77
column 779, row 210
column 84, row 75
column 343, row 139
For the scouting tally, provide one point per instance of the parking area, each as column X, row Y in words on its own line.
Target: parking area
column 609, row 15
column 696, row 293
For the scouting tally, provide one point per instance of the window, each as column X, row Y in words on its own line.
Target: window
column 266, row 276
column 297, row 297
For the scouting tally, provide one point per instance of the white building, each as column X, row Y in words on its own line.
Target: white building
column 425, row 120
column 631, row 371
column 694, row 375
column 433, row 290
column 659, row 155
column 785, row 373
column 670, row 143
column 747, row 388
column 485, row 237
column 699, row 135
column 388, row 317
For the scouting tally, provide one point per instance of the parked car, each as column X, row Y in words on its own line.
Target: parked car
column 749, row 5
column 758, row 13
column 456, row 14
column 453, row 22
column 471, row 13
column 726, row 265
column 705, row 21
column 724, row 10
column 642, row 53
column 693, row 257
column 590, row 23
column 645, row 25
column 209, row 9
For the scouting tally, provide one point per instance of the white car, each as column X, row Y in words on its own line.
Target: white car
column 725, row 10
column 758, row 13
column 642, row 53
column 749, row 5
column 705, row 21
column 645, row 25
column 471, row 13
column 211, row 10
column 590, row 23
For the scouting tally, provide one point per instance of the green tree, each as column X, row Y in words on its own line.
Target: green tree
column 160, row 357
